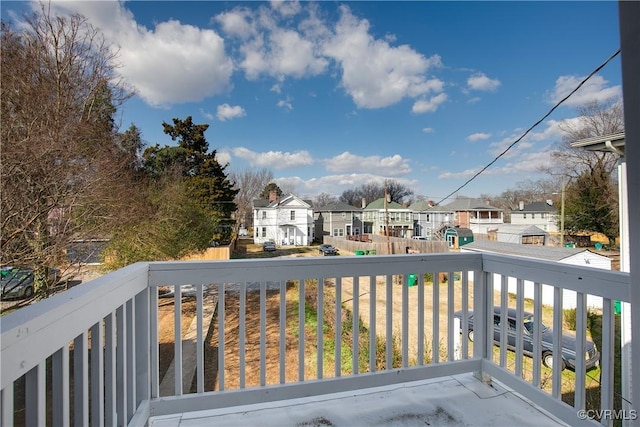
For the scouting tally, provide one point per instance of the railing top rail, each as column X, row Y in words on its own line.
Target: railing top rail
column 180, row 272
column 595, row 281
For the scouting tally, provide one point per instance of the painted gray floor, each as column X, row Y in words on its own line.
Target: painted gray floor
column 459, row 400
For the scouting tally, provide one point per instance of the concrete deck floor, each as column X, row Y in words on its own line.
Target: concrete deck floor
column 459, row 400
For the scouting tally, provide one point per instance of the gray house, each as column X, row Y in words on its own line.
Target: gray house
column 431, row 221
column 337, row 220
column 516, row 233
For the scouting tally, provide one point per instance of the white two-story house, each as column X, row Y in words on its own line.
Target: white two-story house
column 541, row 214
column 286, row 220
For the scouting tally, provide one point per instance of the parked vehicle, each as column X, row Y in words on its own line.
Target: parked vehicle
column 326, row 250
column 269, row 245
column 568, row 351
column 18, row 282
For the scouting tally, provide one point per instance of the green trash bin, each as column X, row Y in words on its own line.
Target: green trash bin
column 359, row 252
column 372, row 252
column 616, row 307
column 411, row 280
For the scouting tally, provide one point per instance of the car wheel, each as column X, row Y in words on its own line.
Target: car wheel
column 470, row 334
column 28, row 292
column 547, row 360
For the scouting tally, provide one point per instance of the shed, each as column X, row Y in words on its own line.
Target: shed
column 458, row 236
column 573, row 256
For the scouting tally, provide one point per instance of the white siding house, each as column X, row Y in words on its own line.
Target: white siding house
column 286, row 220
column 572, row 256
column 541, row 214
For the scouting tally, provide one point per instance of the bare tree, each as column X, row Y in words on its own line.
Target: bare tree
column 249, row 184
column 61, row 170
column 324, row 199
column 595, row 119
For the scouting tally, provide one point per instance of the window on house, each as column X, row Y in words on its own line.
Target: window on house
column 407, row 216
column 338, row 232
column 264, row 231
column 293, row 215
column 264, row 214
column 428, row 218
column 524, row 216
column 344, row 215
column 533, row 216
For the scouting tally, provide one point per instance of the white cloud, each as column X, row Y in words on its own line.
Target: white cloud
column 223, row 157
column 285, row 104
column 286, row 8
column 595, row 89
column 274, row 159
column 478, row 137
column 480, row 81
column 428, row 130
column 428, row 105
column 346, row 162
column 336, row 184
column 227, row 112
column 169, row 64
column 374, row 73
column 237, row 22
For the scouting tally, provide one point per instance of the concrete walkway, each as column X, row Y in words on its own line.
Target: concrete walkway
column 189, row 348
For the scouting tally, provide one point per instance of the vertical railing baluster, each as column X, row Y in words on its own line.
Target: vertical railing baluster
column 301, row 318
column 177, row 341
column 121, row 367
column 607, row 356
column 465, row 314
column 519, row 327
column 389, row 323
column 450, row 310
column 537, row 334
column 60, row 387
column 580, row 370
column 283, row 331
column 356, row 324
column 200, row 338
column 263, row 333
column 435, row 345
column 6, row 407
column 557, row 342
column 242, row 334
column 110, row 365
column 142, row 327
column 131, row 358
column 488, row 314
column 320, row 331
column 221, row 336
column 80, row 380
column 338, row 331
column 420, row 319
column 154, row 345
column 504, row 301
column 373, row 348
column 405, row 320
column 35, row 395
column 97, row 372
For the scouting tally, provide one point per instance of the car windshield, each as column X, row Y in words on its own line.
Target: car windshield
column 528, row 324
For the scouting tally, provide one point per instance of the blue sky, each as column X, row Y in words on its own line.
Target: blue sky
column 332, row 95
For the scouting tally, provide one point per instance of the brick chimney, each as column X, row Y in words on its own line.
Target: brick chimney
column 273, row 196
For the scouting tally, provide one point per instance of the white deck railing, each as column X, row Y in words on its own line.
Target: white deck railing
column 404, row 331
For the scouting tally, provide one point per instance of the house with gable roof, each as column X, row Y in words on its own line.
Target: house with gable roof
column 337, row 220
column 475, row 214
column 377, row 215
column 430, row 220
column 286, row 220
column 540, row 214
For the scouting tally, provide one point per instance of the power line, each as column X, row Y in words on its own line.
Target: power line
column 601, row 66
